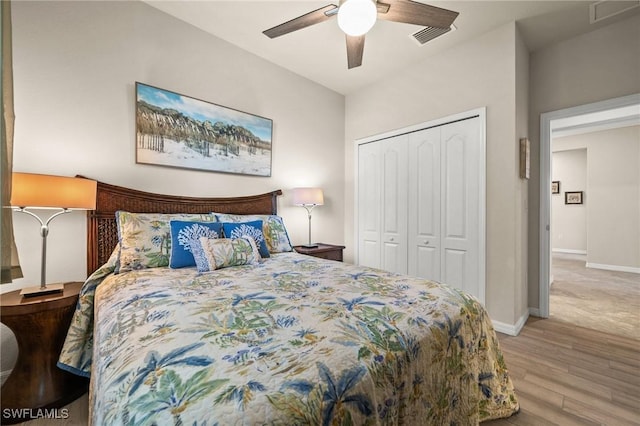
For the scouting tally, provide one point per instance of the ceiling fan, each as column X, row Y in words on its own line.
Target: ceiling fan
column 356, row 17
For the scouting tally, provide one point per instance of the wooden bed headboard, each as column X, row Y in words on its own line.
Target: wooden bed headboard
column 102, row 233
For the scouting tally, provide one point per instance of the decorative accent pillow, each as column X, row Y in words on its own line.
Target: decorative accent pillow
column 145, row 238
column 251, row 229
column 224, row 252
column 185, row 238
column 272, row 226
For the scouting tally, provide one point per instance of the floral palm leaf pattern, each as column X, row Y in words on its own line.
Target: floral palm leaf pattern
column 189, row 237
column 292, row 340
column 145, row 238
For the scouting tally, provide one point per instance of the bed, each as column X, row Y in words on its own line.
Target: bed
column 290, row 339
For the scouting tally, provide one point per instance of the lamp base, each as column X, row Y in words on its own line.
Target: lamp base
column 39, row 291
column 309, row 245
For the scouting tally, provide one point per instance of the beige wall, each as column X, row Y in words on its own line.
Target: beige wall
column 595, row 66
column 569, row 221
column 75, row 64
column 612, row 196
column 479, row 73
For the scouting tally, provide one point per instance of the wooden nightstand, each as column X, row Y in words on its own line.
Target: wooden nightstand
column 40, row 325
column 324, row 251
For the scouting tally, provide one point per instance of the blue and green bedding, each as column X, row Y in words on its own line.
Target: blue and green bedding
column 291, row 340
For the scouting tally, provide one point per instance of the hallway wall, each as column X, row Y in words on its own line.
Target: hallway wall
column 612, row 196
column 569, row 221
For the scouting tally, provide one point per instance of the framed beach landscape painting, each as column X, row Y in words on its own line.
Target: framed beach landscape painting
column 180, row 131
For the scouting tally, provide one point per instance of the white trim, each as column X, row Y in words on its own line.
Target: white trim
column 545, row 184
column 482, row 195
column 619, row 268
column 4, row 375
column 568, row 251
column 511, row 330
column 481, row 113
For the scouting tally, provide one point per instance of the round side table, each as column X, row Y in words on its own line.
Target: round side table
column 40, row 325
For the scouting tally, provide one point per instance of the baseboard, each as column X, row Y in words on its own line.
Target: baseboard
column 534, row 312
column 613, row 267
column 4, row 375
column 568, row 251
column 511, row 330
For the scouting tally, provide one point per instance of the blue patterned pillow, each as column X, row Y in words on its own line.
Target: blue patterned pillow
column 272, row 227
column 185, row 239
column 251, row 229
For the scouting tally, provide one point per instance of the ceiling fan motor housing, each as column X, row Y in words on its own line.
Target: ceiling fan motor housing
column 356, row 17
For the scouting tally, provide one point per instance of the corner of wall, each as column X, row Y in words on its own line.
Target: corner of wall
column 511, row 330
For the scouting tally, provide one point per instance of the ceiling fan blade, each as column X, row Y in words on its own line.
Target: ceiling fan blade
column 355, row 50
column 306, row 20
column 411, row 12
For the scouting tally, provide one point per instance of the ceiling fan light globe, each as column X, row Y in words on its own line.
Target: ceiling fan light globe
column 356, row 17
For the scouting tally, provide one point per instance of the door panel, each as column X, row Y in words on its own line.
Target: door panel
column 460, row 208
column 454, row 191
column 369, row 205
column 455, row 268
column 394, row 207
column 424, row 204
column 428, row 262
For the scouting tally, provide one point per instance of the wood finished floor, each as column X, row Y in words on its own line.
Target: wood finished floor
column 569, row 375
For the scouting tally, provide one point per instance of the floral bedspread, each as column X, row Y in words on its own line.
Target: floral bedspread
column 294, row 340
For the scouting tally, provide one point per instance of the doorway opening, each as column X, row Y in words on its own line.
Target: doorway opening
column 605, row 113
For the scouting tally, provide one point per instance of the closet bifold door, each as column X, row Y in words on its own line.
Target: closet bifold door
column 419, row 205
column 394, row 203
column 424, row 204
column 460, row 205
column 444, row 205
column 369, row 200
column 382, row 204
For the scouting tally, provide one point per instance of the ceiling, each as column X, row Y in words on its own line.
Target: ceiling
column 319, row 52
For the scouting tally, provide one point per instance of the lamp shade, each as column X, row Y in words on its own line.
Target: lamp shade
column 308, row 197
column 47, row 191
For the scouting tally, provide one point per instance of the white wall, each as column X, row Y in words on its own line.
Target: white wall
column 599, row 65
column 612, row 197
column 479, row 73
column 75, row 65
column 569, row 221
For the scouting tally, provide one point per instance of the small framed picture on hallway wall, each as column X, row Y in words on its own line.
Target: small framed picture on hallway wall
column 555, row 187
column 573, row 197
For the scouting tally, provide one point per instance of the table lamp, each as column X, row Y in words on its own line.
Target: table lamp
column 34, row 191
column 308, row 198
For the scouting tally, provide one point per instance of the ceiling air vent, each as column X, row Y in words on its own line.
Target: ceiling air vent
column 429, row 33
column 607, row 8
